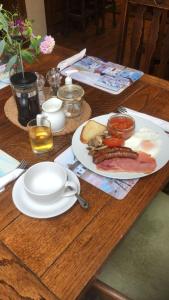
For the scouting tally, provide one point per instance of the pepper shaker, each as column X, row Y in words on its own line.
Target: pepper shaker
column 54, row 77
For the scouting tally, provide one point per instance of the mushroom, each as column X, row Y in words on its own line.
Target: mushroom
column 93, row 150
column 97, row 141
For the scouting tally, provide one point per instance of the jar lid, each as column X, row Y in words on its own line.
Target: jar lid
column 70, row 92
column 20, row 81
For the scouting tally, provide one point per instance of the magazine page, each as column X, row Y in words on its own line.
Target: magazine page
column 71, row 60
column 7, row 163
column 4, row 76
column 108, row 76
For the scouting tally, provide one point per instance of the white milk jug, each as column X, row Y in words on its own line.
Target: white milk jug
column 52, row 109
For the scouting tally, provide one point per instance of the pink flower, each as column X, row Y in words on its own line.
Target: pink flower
column 47, row 45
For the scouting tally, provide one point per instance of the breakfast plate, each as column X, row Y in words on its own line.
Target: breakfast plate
column 161, row 153
column 29, row 207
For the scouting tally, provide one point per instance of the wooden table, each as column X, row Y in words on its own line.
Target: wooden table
column 56, row 258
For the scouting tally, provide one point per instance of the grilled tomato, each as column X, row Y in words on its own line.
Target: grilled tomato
column 113, row 142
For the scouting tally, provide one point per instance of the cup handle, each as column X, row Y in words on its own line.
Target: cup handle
column 40, row 118
column 73, row 189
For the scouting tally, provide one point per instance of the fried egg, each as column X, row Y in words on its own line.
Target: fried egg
column 145, row 140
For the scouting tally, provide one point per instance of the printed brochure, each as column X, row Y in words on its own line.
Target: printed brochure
column 108, row 76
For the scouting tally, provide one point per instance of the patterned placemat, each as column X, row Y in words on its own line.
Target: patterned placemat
column 118, row 188
column 11, row 113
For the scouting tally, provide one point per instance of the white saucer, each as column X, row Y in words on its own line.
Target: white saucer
column 29, row 207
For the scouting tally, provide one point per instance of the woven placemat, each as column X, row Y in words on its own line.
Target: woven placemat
column 11, row 113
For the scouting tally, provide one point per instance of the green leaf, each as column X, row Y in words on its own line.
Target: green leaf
column 4, row 22
column 11, row 62
column 27, row 56
column 35, row 43
column 2, row 46
column 9, row 38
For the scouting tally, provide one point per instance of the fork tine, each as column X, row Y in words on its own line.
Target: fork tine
column 122, row 109
column 23, row 164
column 20, row 164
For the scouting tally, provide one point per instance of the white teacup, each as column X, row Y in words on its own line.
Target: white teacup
column 46, row 182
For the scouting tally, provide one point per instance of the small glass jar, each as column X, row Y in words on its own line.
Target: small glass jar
column 25, row 92
column 121, row 125
column 72, row 97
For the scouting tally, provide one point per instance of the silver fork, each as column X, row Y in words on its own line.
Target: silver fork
column 122, row 110
column 23, row 165
column 14, row 174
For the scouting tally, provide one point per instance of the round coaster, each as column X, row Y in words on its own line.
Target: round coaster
column 71, row 123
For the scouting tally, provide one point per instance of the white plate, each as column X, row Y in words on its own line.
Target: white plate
column 81, row 152
column 29, row 207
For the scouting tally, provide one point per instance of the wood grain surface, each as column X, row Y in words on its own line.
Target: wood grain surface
column 16, row 282
column 58, row 257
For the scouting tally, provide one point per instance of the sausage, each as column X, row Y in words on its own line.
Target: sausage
column 111, row 150
column 118, row 154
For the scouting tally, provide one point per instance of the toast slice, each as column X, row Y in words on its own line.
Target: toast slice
column 90, row 130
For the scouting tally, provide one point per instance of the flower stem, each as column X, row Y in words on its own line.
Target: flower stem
column 21, row 61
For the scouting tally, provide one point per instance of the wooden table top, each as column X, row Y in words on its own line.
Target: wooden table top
column 56, row 258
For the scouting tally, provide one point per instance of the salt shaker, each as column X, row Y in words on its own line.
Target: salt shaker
column 54, row 77
column 40, row 84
